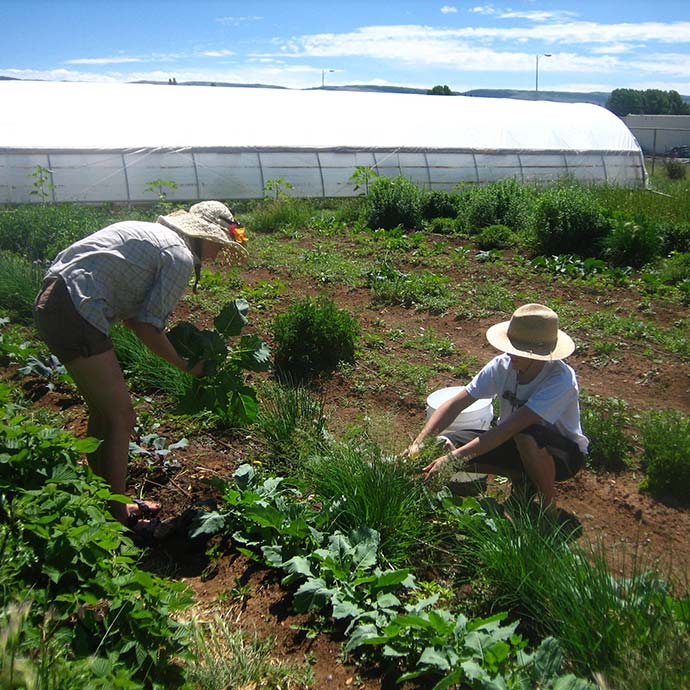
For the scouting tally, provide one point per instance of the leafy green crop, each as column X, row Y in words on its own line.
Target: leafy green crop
column 222, row 389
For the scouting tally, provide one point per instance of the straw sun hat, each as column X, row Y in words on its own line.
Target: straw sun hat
column 533, row 333
column 211, row 221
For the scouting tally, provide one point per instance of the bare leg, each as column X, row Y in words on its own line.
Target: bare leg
column 540, row 468
column 111, row 419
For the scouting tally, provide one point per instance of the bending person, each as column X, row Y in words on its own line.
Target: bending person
column 538, row 440
column 132, row 272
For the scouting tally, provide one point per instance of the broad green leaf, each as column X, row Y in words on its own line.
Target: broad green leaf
column 434, row 658
column 243, row 406
column 254, row 354
column 313, row 594
column 206, row 524
column 232, row 318
column 298, row 565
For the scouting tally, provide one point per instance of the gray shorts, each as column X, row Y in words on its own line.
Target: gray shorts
column 67, row 334
column 566, row 454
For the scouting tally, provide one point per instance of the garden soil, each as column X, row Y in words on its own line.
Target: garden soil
column 612, row 509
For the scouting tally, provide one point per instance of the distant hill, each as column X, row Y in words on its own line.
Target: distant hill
column 596, row 97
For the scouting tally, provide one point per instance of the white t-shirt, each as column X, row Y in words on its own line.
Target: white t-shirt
column 553, row 394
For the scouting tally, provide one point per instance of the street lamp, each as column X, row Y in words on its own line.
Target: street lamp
column 536, row 71
column 323, row 76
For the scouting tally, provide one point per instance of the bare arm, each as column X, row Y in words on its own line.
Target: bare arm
column 441, row 419
column 517, row 422
column 158, row 343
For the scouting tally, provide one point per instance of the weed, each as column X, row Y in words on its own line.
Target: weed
column 393, row 202
column 225, row 657
column 604, row 421
column 665, row 437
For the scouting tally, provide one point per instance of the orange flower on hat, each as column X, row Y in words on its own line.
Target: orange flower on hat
column 238, row 233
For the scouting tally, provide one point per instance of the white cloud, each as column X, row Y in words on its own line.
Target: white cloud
column 449, row 9
column 537, row 15
column 614, row 49
column 104, row 61
column 236, row 21
column 482, row 9
column 218, row 53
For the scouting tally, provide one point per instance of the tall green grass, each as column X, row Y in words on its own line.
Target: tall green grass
column 20, row 281
column 292, row 423
column 145, row 370
column 375, row 491
column 630, row 629
column 225, row 657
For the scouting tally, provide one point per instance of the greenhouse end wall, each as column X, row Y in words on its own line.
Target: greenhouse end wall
column 124, row 176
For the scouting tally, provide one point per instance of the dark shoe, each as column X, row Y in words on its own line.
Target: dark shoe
column 151, row 532
column 146, row 510
column 567, row 524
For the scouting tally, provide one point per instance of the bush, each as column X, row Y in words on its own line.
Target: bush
column 501, row 203
column 495, row 237
column 631, row 243
column 675, row 237
column 675, row 169
column 392, row 202
column 666, row 453
column 603, row 422
column 282, row 213
column 446, row 226
column 438, row 204
column 676, row 268
column 568, row 220
column 40, row 232
column 311, row 338
column 20, row 281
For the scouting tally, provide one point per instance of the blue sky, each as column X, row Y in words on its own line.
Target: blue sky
column 593, row 46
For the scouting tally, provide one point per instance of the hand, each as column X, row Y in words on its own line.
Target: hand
column 411, row 451
column 198, row 369
column 435, row 466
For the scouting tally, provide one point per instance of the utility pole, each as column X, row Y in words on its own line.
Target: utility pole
column 323, row 76
column 536, row 70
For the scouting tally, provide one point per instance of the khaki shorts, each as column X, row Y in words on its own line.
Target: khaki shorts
column 65, row 331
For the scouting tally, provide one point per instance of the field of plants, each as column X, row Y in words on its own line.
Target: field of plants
column 302, row 550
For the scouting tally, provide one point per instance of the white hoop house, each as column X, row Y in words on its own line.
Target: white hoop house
column 109, row 141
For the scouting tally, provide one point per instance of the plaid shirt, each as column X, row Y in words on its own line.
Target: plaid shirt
column 128, row 270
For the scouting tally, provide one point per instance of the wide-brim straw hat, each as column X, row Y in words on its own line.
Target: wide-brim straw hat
column 211, row 221
column 533, row 333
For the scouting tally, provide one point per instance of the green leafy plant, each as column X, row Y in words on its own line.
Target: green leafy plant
column 604, row 421
column 278, row 187
column 495, row 237
column 506, row 202
column 43, row 183
column 392, row 202
column 222, row 389
column 362, row 177
column 161, row 188
column 675, row 169
column 439, row 204
column 568, row 220
column 75, row 564
column 665, row 437
column 631, row 243
column 420, row 289
column 312, row 338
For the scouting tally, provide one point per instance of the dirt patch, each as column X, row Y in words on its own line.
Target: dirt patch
column 612, row 509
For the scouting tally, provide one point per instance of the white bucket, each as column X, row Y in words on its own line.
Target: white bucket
column 477, row 416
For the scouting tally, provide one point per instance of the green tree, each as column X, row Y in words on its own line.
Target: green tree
column 625, row 102
column 439, row 90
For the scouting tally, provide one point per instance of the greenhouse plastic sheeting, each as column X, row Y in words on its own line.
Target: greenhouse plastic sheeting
column 109, row 141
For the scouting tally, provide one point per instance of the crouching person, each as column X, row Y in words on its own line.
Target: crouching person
column 538, row 440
